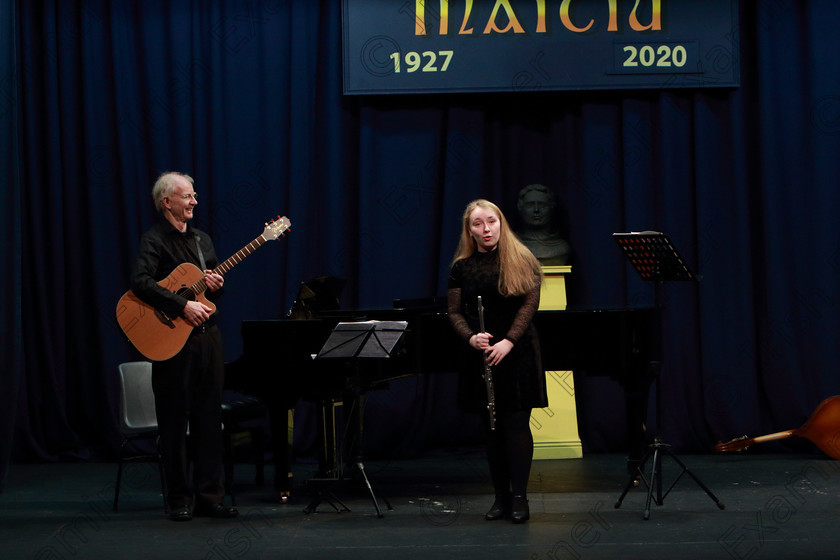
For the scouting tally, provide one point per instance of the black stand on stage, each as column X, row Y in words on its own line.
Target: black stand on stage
column 355, row 342
column 655, row 259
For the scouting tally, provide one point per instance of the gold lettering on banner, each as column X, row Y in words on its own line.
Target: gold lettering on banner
column 513, row 23
column 420, row 17
column 540, row 16
column 467, row 12
column 541, row 23
column 566, row 18
column 613, row 25
column 444, row 17
column 655, row 17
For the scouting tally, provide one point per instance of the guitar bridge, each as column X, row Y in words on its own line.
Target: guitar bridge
column 164, row 318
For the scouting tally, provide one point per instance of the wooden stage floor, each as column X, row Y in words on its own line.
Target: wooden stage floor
column 777, row 506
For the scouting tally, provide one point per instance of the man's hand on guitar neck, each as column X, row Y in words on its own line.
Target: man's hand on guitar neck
column 196, row 313
column 213, row 281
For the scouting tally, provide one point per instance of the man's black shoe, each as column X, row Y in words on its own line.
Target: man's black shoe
column 217, row 511
column 180, row 514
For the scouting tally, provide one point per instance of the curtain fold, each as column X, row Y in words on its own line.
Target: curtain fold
column 11, row 319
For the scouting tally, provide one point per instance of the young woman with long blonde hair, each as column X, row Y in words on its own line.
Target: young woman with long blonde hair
column 492, row 263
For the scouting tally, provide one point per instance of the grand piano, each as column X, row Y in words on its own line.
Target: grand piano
column 277, row 360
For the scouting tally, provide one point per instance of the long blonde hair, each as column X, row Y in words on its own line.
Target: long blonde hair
column 519, row 269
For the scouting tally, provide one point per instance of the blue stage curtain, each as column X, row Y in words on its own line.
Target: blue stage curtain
column 100, row 96
column 11, row 320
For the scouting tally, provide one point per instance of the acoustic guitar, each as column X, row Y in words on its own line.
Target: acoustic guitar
column 822, row 429
column 159, row 336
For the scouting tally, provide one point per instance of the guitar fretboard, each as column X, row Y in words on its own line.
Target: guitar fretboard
column 231, row 261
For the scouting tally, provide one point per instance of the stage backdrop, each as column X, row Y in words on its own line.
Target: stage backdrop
column 526, row 45
column 98, row 97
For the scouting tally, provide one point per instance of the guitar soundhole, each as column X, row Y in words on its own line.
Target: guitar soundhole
column 186, row 293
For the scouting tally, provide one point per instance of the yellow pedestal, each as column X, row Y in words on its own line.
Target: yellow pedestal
column 555, row 428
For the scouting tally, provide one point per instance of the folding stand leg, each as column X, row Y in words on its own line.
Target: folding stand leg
column 313, row 505
column 686, row 470
column 379, row 513
column 631, row 480
column 323, row 496
column 655, row 480
column 654, row 483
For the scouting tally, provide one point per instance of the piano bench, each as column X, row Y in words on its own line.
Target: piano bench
column 243, row 413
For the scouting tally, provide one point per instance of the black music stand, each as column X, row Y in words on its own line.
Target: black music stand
column 356, row 342
column 655, row 259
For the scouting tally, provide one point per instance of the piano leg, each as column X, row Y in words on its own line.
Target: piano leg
column 636, row 398
column 282, row 423
column 636, row 403
column 330, row 459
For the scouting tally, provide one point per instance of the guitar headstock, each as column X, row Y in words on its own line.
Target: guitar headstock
column 276, row 228
column 737, row 444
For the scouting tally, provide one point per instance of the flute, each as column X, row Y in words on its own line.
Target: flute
column 488, row 373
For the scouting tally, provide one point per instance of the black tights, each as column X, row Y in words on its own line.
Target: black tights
column 510, row 448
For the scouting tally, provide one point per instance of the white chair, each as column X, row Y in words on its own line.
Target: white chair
column 137, row 418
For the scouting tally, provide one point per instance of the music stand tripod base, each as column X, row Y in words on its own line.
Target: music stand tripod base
column 324, row 496
column 654, row 483
column 321, row 495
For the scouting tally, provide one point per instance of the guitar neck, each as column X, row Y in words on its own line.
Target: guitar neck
column 231, row 261
column 744, row 442
column 772, row 437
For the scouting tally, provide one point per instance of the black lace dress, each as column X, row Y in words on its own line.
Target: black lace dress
column 519, row 379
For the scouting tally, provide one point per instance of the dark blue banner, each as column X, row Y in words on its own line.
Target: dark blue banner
column 431, row 46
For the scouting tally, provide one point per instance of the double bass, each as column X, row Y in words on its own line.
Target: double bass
column 822, row 429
